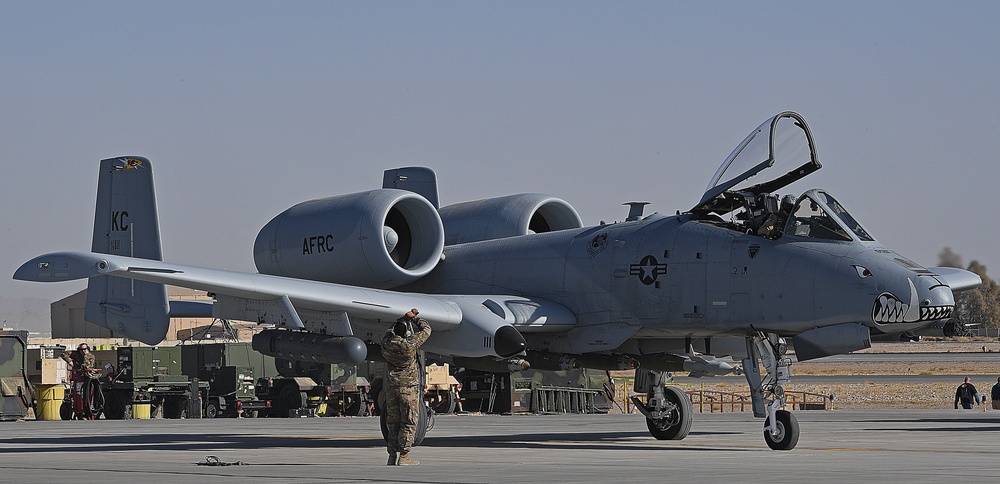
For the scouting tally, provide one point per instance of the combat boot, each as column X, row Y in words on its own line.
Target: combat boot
column 393, row 459
column 406, row 460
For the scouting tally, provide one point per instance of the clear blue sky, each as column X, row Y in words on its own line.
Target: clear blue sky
column 246, row 108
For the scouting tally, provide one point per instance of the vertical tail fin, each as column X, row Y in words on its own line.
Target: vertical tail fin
column 125, row 223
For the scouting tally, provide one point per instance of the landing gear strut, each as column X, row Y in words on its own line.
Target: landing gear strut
column 781, row 429
column 667, row 409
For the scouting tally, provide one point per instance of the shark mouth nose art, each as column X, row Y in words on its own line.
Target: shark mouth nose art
column 890, row 309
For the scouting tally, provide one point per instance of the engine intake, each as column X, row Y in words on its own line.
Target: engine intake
column 509, row 216
column 381, row 238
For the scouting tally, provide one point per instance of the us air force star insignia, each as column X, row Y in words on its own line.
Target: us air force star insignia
column 647, row 269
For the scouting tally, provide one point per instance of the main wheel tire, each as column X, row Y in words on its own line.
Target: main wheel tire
column 788, row 431
column 383, row 425
column 425, row 420
column 677, row 425
column 378, row 396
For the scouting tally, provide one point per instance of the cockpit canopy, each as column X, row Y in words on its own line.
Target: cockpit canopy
column 818, row 215
column 782, row 145
column 779, row 152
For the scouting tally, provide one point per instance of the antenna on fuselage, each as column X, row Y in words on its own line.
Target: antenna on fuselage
column 635, row 210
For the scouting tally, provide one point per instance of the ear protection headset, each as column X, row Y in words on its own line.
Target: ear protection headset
column 407, row 323
column 403, row 329
column 410, row 316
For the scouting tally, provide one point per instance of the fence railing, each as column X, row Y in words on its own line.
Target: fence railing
column 714, row 401
column 710, row 401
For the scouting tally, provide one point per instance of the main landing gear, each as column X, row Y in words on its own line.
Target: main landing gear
column 781, row 429
column 667, row 409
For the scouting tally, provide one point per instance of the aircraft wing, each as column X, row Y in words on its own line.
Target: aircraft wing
column 460, row 322
column 958, row 279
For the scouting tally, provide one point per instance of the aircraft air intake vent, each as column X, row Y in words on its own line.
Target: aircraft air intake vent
column 511, row 216
column 382, row 238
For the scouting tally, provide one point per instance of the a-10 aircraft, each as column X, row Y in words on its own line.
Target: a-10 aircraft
column 518, row 280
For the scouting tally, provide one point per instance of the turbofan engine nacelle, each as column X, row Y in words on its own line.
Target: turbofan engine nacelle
column 381, row 238
column 513, row 215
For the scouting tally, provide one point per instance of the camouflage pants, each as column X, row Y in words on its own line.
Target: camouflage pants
column 401, row 407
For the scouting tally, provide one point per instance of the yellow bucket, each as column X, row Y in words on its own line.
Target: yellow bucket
column 140, row 411
column 50, row 398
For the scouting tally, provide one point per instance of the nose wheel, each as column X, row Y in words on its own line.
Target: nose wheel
column 767, row 392
column 786, row 431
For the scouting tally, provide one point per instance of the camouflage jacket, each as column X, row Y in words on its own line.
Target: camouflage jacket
column 401, row 354
column 83, row 363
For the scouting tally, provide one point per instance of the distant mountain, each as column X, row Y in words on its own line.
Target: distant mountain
column 32, row 314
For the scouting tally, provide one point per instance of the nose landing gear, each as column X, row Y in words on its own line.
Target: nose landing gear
column 781, row 428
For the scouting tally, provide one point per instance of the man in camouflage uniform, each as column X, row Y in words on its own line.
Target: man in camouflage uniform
column 402, row 398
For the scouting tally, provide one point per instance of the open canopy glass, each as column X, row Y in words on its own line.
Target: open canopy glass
column 777, row 153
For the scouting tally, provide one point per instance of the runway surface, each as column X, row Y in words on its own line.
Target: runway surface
column 835, row 446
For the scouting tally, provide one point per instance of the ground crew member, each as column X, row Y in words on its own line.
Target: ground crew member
column 402, row 398
column 82, row 361
column 967, row 395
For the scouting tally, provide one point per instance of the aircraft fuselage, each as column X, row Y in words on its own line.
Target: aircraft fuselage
column 679, row 277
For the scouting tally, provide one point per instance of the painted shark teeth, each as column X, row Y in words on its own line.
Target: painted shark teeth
column 890, row 309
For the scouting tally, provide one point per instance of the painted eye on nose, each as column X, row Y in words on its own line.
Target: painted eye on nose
column 863, row 272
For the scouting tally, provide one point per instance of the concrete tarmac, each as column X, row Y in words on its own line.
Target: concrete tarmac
column 835, row 446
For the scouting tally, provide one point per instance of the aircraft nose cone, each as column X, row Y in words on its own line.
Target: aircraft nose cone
column 508, row 341
column 927, row 300
column 937, row 301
